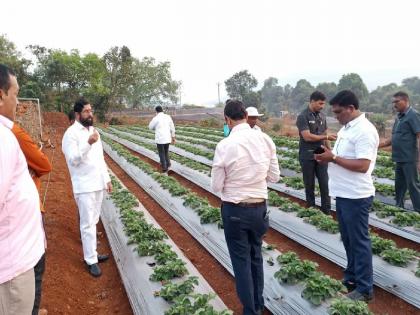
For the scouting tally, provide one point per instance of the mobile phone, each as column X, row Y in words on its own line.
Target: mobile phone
column 319, row 150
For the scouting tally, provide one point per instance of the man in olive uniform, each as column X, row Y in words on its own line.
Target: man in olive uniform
column 312, row 125
column 405, row 150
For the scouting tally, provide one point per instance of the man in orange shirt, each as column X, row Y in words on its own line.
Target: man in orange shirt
column 38, row 165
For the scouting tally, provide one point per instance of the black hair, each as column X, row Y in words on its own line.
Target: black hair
column 345, row 98
column 79, row 104
column 317, row 96
column 5, row 73
column 402, row 95
column 158, row 109
column 235, row 110
column 71, row 115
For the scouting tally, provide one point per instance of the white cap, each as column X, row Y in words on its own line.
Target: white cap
column 252, row 111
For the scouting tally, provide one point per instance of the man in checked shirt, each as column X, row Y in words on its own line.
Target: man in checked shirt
column 242, row 165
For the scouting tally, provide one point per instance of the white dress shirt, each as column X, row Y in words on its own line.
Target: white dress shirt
column 243, row 163
column 86, row 162
column 164, row 128
column 358, row 139
column 22, row 239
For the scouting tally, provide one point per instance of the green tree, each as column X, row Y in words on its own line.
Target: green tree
column 152, row 84
column 271, row 95
column 300, row 95
column 328, row 88
column 354, row 82
column 240, row 84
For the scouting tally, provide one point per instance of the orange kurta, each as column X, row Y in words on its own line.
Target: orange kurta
column 38, row 162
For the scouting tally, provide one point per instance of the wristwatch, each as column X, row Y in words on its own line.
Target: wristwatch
column 334, row 158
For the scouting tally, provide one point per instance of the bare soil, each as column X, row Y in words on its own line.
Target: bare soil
column 67, row 287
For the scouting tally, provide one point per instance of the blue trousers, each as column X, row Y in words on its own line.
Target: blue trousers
column 353, row 219
column 244, row 228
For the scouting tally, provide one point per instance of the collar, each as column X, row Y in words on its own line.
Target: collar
column 241, row 126
column 78, row 125
column 6, row 122
column 355, row 121
column 401, row 115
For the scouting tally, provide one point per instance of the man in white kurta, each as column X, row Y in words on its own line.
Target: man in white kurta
column 89, row 175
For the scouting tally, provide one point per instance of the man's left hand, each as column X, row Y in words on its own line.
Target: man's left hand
column 325, row 157
column 109, row 187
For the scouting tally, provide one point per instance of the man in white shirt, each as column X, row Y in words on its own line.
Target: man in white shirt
column 82, row 148
column 22, row 239
column 253, row 117
column 352, row 162
column 242, row 165
column 164, row 129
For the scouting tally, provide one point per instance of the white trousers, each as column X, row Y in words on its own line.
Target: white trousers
column 89, row 205
column 17, row 295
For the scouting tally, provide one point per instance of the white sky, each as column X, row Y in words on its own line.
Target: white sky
column 208, row 41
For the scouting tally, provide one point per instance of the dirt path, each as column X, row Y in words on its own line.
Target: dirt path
column 68, row 288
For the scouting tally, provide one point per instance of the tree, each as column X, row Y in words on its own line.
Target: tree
column 240, row 84
column 152, row 83
column 11, row 57
column 328, row 88
column 271, row 95
column 300, row 95
column 354, row 82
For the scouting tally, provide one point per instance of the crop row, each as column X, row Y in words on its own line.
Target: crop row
column 149, row 241
column 318, row 288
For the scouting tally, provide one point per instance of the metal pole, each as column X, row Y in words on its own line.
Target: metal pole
column 218, row 91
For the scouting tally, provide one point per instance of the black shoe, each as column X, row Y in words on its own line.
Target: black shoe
column 94, row 270
column 357, row 296
column 351, row 286
column 102, row 258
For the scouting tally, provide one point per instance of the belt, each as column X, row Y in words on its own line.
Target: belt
column 246, row 204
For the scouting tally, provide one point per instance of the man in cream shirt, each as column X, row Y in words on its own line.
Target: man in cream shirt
column 242, row 165
column 164, row 129
column 22, row 239
column 83, row 150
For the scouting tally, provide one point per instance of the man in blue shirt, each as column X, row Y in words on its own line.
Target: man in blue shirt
column 405, row 150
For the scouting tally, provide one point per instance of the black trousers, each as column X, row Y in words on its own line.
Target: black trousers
column 407, row 177
column 163, row 150
column 310, row 169
column 244, row 228
column 39, row 272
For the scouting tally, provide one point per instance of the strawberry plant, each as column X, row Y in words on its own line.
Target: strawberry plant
column 406, row 218
column 172, row 269
column 171, row 290
column 197, row 304
column 380, row 244
column 384, row 189
column 294, row 182
column 398, row 256
column 320, row 287
column 295, row 271
column 344, row 306
column 308, row 212
column 287, row 257
column 323, row 222
column 275, row 200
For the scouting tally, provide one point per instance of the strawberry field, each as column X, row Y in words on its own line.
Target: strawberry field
column 293, row 285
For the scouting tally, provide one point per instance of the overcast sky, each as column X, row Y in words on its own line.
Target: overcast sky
column 208, row 41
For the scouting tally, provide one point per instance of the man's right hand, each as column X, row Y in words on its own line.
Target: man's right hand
column 93, row 137
column 331, row 137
